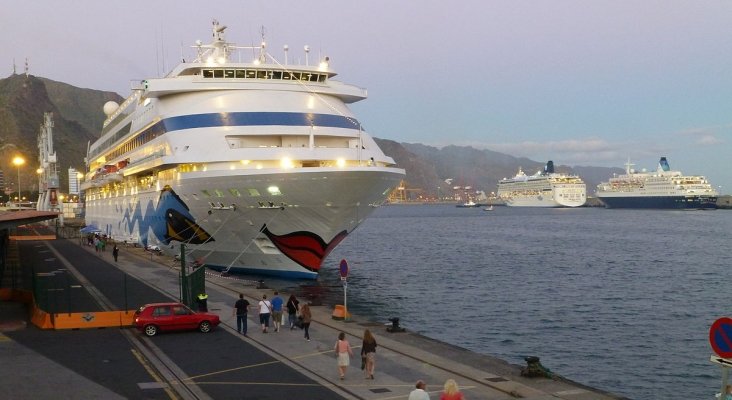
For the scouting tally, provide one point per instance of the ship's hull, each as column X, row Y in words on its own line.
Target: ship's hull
column 255, row 166
column 660, row 202
column 242, row 225
column 558, row 197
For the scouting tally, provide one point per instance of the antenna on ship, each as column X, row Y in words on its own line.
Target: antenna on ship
column 628, row 165
column 162, row 49
column 262, row 54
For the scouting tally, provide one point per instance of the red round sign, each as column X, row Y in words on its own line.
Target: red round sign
column 344, row 268
column 720, row 337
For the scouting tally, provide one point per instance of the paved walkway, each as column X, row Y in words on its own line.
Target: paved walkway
column 402, row 358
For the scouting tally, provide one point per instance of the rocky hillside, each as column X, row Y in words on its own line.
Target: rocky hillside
column 77, row 117
column 428, row 167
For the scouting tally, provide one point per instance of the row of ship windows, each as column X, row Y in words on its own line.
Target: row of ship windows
column 139, row 140
column 274, row 191
column 218, row 193
column 263, row 74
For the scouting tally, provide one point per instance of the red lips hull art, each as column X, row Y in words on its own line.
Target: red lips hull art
column 305, row 248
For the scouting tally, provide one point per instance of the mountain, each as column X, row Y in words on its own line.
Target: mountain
column 428, row 167
column 78, row 117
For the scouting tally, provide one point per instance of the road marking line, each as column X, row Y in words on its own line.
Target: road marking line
column 152, row 373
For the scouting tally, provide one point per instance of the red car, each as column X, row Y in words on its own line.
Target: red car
column 163, row 317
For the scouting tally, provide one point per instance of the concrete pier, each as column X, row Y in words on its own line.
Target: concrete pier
column 123, row 363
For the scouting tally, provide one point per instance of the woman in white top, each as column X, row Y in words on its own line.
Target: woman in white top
column 265, row 309
column 343, row 352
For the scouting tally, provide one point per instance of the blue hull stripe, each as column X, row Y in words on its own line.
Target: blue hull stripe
column 665, row 202
column 257, row 119
column 267, row 272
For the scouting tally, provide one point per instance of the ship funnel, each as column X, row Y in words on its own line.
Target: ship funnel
column 549, row 168
column 664, row 164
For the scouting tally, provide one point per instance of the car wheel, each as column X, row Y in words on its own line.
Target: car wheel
column 205, row 326
column 151, row 330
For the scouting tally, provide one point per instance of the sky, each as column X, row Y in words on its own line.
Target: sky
column 590, row 83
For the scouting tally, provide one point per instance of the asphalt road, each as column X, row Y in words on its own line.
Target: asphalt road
column 220, row 363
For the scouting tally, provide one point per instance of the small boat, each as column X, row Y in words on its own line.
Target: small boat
column 468, row 204
column 489, row 208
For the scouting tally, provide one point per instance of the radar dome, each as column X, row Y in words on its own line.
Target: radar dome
column 110, row 107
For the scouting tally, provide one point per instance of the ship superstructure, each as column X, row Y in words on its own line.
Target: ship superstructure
column 258, row 166
column 662, row 188
column 544, row 189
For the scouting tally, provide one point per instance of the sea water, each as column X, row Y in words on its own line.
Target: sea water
column 621, row 300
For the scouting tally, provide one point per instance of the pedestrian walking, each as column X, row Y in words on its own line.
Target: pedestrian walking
column 452, row 391
column 115, row 252
column 368, row 354
column 277, row 311
column 240, row 311
column 265, row 310
column 420, row 392
column 306, row 318
column 343, row 353
column 292, row 306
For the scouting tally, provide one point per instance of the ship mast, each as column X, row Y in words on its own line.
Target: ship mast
column 627, row 166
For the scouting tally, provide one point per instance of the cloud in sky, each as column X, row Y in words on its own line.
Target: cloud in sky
column 594, row 150
column 708, row 136
column 584, row 151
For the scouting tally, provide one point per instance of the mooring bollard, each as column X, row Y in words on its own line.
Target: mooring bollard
column 534, row 368
column 394, row 325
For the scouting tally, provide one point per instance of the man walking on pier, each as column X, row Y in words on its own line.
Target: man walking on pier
column 419, row 393
column 277, row 311
column 240, row 311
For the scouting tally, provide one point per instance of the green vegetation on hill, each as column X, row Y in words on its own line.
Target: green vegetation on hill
column 77, row 117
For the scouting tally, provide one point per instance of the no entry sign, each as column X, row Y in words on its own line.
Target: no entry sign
column 720, row 337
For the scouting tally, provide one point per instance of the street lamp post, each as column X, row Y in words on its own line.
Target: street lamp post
column 18, row 161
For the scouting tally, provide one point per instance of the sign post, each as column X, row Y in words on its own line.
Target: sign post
column 720, row 337
column 344, row 278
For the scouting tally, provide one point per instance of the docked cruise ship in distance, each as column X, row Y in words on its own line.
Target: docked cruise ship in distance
column 546, row 188
column 663, row 188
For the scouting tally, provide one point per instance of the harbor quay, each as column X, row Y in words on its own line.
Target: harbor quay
column 124, row 363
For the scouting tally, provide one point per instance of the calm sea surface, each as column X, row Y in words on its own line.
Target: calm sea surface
column 620, row 300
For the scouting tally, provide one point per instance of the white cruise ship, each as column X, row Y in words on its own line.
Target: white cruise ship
column 543, row 189
column 662, row 188
column 257, row 166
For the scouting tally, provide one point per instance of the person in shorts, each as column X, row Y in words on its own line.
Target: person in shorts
column 277, row 311
column 265, row 310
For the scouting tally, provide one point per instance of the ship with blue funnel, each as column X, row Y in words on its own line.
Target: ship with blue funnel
column 660, row 189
